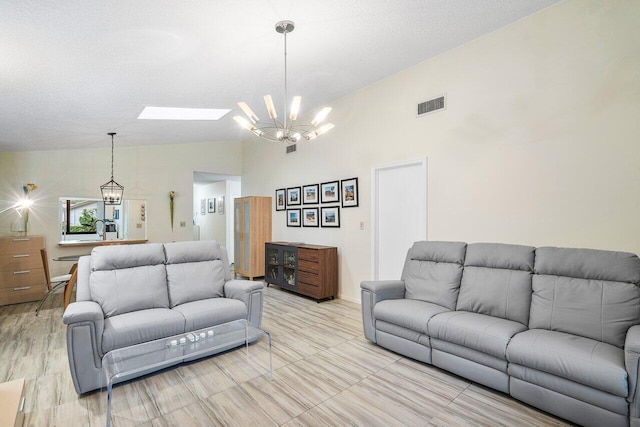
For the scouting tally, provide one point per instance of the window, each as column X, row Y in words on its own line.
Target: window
column 79, row 216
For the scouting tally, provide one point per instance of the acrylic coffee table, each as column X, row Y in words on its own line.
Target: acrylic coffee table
column 130, row 362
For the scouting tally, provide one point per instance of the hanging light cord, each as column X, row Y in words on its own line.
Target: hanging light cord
column 112, row 157
column 285, row 81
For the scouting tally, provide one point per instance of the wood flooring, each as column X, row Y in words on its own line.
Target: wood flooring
column 324, row 374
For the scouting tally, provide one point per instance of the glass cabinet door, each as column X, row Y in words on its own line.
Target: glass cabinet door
column 273, row 263
column 289, row 267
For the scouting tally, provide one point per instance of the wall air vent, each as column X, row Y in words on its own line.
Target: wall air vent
column 291, row 149
column 432, row 106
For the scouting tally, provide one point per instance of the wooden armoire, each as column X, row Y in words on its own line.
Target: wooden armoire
column 251, row 229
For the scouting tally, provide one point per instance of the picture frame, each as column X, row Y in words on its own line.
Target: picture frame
column 293, row 217
column 203, row 206
column 293, row 196
column 310, row 194
column 349, row 191
column 310, row 217
column 330, row 216
column 211, row 205
column 221, row 205
column 330, row 192
column 281, row 199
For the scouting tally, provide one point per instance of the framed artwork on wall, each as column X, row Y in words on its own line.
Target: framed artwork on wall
column 281, row 203
column 329, row 192
column 310, row 194
column 203, row 206
column 293, row 196
column 212, row 205
column 330, row 216
column 221, row 205
column 310, row 217
column 349, row 190
column 293, row 217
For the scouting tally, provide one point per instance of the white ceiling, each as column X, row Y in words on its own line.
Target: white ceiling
column 73, row 70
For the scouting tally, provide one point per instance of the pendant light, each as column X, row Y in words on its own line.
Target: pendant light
column 112, row 192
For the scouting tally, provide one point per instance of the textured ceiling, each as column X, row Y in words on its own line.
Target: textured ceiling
column 73, row 70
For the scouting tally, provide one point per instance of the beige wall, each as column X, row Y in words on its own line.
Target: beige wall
column 147, row 172
column 213, row 226
column 538, row 145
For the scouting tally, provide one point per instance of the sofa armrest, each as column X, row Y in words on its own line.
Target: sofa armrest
column 631, row 362
column 250, row 293
column 85, row 325
column 372, row 292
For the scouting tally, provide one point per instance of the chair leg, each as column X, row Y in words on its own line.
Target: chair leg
column 47, row 295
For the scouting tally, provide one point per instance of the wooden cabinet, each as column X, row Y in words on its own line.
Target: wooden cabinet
column 252, row 229
column 309, row 270
column 21, row 271
column 12, row 403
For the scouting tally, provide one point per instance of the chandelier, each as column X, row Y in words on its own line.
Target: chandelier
column 283, row 130
column 112, row 192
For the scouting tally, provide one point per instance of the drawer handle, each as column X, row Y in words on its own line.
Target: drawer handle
column 21, row 256
column 22, row 272
column 24, row 288
column 22, row 240
column 24, row 398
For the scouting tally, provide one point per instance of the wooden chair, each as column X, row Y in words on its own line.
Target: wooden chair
column 53, row 283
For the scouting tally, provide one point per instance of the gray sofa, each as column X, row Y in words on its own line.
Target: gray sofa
column 130, row 294
column 556, row 328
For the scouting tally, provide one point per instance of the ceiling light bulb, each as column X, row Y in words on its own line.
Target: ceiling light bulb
column 279, row 135
column 325, row 128
column 244, row 123
column 321, row 116
column 270, row 107
column 248, row 111
column 297, row 136
column 295, row 107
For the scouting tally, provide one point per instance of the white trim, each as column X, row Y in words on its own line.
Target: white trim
column 375, row 171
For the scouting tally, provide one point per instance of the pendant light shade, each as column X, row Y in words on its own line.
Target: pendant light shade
column 112, row 192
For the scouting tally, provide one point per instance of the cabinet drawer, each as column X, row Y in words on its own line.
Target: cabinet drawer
column 14, row 279
column 20, row 261
column 308, row 290
column 308, row 254
column 14, row 245
column 310, row 266
column 306, row 277
column 21, row 294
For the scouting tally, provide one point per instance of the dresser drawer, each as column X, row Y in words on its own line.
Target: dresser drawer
column 308, row 290
column 14, row 279
column 21, row 294
column 310, row 266
column 20, row 261
column 308, row 254
column 310, row 278
column 16, row 245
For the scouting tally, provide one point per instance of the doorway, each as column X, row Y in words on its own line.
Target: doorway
column 398, row 215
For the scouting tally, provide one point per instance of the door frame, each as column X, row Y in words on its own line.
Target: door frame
column 375, row 175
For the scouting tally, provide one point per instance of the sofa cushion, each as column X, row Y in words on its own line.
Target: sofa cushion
column 211, row 312
column 126, row 256
column 497, row 280
column 196, row 251
column 582, row 360
column 140, row 326
column 193, row 281
column 432, row 272
column 407, row 313
column 480, row 332
column 129, row 289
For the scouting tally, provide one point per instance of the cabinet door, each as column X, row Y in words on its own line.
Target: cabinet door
column 289, row 267
column 273, row 262
column 246, row 239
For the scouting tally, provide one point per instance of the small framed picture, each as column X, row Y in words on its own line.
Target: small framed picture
column 329, row 192
column 281, row 203
column 349, row 192
column 293, row 217
column 330, row 216
column 310, row 194
column 212, row 205
column 310, row 217
column 203, row 206
column 293, row 196
column 221, row 205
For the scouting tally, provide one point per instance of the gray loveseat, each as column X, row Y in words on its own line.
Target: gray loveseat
column 136, row 293
column 556, row 328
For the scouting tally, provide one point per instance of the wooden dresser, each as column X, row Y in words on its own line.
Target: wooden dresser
column 21, row 271
column 252, row 229
column 309, row 270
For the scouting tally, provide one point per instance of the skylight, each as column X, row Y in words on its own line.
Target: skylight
column 171, row 113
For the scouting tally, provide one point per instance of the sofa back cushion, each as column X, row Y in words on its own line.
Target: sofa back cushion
column 195, row 270
column 127, row 278
column 497, row 280
column 586, row 292
column 432, row 272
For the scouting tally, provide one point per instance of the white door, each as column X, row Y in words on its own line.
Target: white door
column 399, row 215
